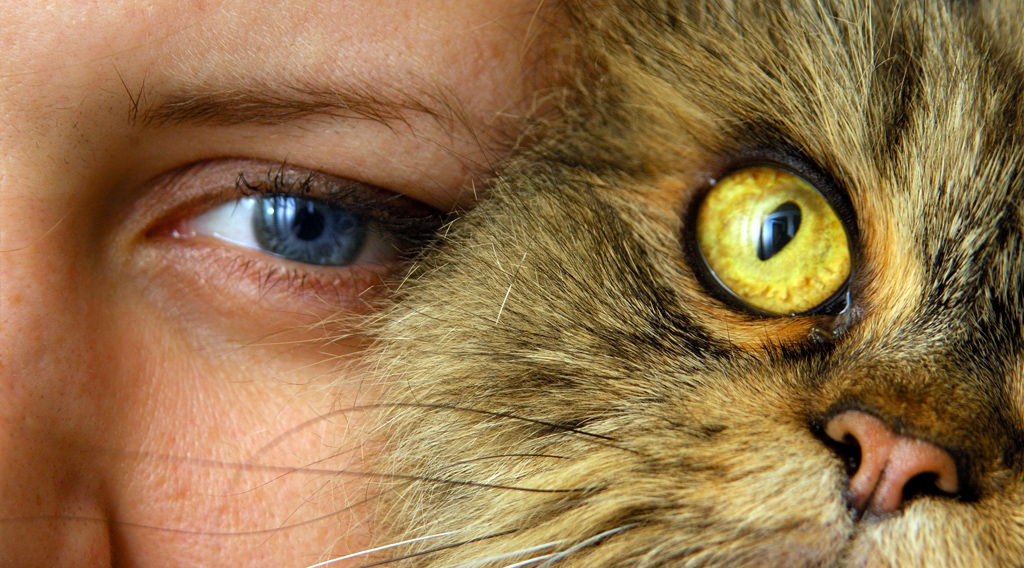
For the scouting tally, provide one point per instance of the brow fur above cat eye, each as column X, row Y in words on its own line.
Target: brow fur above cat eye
column 560, row 390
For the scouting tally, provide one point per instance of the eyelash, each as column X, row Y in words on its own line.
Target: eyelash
column 408, row 225
column 389, row 212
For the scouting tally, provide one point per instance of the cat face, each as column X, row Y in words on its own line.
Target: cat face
column 571, row 383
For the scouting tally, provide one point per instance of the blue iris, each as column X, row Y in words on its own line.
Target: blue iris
column 308, row 230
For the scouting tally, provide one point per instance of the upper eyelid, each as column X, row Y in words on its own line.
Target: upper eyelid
column 191, row 190
column 285, row 179
column 393, row 212
column 369, row 200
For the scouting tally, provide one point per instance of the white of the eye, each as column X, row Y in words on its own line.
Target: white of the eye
column 230, row 222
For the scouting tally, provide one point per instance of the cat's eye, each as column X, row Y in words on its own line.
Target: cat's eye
column 773, row 241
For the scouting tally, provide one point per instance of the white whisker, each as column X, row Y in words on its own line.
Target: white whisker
column 509, row 291
column 552, row 558
column 479, row 562
column 531, row 560
column 379, row 548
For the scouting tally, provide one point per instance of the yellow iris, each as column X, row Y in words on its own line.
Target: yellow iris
column 773, row 240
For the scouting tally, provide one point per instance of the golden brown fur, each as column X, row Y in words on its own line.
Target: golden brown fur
column 562, row 386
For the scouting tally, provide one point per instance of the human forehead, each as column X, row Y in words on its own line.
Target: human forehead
column 76, row 71
column 209, row 37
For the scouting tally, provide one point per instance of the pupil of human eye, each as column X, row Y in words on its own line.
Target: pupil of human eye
column 308, row 230
column 309, row 223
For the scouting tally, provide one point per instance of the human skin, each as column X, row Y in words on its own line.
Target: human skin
column 168, row 398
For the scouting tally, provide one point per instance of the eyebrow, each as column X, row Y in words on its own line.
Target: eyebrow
column 275, row 105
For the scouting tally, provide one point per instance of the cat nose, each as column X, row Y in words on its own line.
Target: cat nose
column 891, row 468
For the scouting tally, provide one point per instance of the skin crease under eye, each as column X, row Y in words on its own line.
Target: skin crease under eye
column 176, row 404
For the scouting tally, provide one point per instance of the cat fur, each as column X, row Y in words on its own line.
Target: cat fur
column 562, row 387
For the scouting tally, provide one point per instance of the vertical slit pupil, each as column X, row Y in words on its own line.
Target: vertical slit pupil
column 778, row 228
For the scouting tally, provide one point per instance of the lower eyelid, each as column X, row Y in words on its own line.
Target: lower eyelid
column 242, row 289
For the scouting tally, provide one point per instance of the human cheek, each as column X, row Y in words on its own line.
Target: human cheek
column 233, row 453
column 127, row 433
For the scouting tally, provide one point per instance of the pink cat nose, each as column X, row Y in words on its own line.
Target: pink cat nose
column 889, row 462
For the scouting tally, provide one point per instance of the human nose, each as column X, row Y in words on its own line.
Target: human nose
column 55, row 401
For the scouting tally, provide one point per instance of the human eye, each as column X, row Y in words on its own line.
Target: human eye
column 309, row 218
column 292, row 239
column 295, row 228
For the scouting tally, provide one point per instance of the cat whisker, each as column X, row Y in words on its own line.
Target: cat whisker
column 521, row 552
column 439, row 548
column 285, row 471
column 589, row 542
column 509, row 291
column 302, row 426
column 380, row 548
column 309, row 469
column 604, row 440
column 459, row 482
column 499, row 456
column 550, row 559
column 529, row 561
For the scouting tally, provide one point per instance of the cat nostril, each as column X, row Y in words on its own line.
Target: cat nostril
column 848, row 450
column 887, row 469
